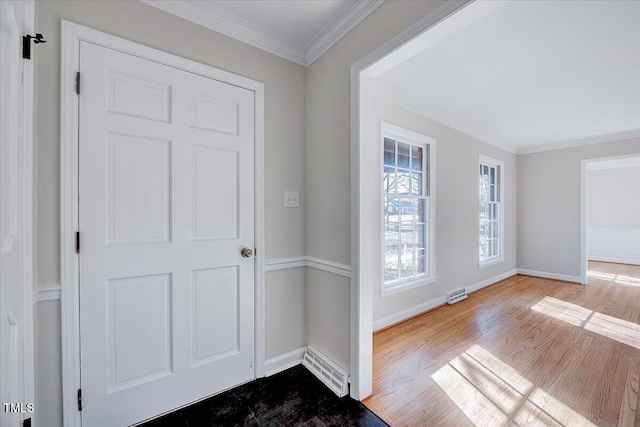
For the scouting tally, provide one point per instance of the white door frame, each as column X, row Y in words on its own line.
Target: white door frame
column 25, row 233
column 72, row 35
column 361, row 351
column 584, row 250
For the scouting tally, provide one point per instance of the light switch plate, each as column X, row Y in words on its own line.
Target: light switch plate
column 291, row 199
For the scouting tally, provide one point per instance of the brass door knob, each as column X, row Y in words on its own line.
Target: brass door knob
column 246, row 252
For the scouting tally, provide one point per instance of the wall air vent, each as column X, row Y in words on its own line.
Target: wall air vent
column 333, row 376
column 457, row 295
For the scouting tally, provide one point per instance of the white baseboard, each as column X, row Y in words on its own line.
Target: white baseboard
column 283, row 362
column 425, row 306
column 491, row 281
column 407, row 313
column 546, row 275
column 49, row 292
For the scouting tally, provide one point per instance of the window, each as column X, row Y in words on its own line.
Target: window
column 491, row 241
column 408, row 205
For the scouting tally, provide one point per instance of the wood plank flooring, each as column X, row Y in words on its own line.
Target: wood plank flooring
column 526, row 351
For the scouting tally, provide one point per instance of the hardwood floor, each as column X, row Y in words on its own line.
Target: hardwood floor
column 525, row 351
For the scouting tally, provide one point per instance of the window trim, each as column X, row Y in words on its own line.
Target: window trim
column 392, row 131
column 499, row 165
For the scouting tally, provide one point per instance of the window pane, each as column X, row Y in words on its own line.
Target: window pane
column 391, row 239
column 492, row 190
column 495, row 229
column 389, row 180
column 416, row 183
column 389, row 152
column 421, row 237
column 420, row 265
column 403, row 181
column 390, row 266
column 391, row 209
column 406, row 211
column 406, row 238
column 406, row 264
column 495, row 211
column 416, row 158
column 403, row 155
column 493, row 175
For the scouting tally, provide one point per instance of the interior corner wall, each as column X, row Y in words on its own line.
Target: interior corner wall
column 329, row 164
column 549, row 189
column 457, row 157
column 285, row 154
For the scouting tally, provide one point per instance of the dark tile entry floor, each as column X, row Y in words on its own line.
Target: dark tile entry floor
column 291, row 398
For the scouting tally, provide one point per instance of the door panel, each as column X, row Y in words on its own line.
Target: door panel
column 166, row 204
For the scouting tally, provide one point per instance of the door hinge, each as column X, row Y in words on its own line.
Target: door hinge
column 251, row 365
column 79, row 399
column 77, row 242
column 78, row 82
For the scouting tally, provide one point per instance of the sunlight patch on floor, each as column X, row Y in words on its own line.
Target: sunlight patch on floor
column 611, row 327
column 617, row 278
column 490, row 392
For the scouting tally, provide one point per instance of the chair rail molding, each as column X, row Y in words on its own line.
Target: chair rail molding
column 48, row 292
column 317, row 263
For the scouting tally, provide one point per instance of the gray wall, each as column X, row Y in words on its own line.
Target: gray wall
column 613, row 198
column 328, row 161
column 285, row 86
column 549, row 205
column 456, row 208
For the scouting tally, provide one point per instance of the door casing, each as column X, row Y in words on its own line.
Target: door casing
column 72, row 35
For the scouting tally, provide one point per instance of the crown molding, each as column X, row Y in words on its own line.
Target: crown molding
column 219, row 20
column 214, row 18
column 350, row 16
column 618, row 136
column 392, row 97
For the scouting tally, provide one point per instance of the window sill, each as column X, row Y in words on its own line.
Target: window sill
column 405, row 286
column 490, row 263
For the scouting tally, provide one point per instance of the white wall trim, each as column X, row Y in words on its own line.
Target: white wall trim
column 331, row 33
column 72, row 35
column 285, row 263
column 547, row 275
column 418, row 108
column 317, row 263
column 398, row 317
column 217, row 19
column 284, row 361
column 28, row 114
column 580, row 142
column 49, row 292
column 361, row 332
column 330, row 266
column 490, row 281
column 431, row 304
column 614, row 245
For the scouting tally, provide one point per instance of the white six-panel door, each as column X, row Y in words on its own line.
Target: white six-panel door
column 166, row 204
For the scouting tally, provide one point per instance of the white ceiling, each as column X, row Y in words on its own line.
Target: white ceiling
column 297, row 21
column 530, row 75
column 297, row 30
